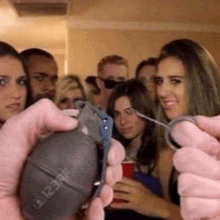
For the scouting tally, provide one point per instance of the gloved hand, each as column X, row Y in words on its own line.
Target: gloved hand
column 198, row 162
column 19, row 135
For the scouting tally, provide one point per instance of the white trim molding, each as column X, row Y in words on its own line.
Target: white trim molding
column 148, row 26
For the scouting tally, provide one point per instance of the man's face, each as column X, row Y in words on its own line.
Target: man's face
column 43, row 77
column 113, row 72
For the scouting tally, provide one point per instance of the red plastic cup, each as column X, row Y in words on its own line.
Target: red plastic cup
column 128, row 169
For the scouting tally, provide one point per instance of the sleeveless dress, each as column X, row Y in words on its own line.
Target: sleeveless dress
column 151, row 182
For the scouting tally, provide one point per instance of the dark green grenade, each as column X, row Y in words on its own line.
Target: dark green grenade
column 61, row 172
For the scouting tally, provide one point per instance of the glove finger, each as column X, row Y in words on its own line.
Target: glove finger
column 209, row 125
column 198, row 208
column 106, row 195
column 113, row 174
column 187, row 134
column 96, row 211
column 38, row 117
column 190, row 185
column 195, row 161
column 116, row 153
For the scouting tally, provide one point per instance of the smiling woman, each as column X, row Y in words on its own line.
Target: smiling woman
column 187, row 80
column 187, row 83
column 171, row 87
column 14, row 95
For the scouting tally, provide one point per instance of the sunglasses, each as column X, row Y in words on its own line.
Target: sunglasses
column 111, row 84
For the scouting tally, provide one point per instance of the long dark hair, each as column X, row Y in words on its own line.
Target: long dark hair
column 151, row 61
column 7, row 50
column 202, row 80
column 136, row 92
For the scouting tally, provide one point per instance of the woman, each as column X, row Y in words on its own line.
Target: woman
column 138, row 137
column 14, row 86
column 69, row 90
column 93, row 91
column 145, row 72
column 187, row 83
column 132, row 131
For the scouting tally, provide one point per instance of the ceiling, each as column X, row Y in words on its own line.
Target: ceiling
column 183, row 11
column 39, row 7
column 50, row 31
column 31, row 31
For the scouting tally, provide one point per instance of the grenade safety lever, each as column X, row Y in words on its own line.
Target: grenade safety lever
column 61, row 172
column 91, row 117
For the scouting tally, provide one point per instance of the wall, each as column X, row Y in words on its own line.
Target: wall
column 60, row 59
column 86, row 47
column 59, row 56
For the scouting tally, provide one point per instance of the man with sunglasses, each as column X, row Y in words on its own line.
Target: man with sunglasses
column 112, row 70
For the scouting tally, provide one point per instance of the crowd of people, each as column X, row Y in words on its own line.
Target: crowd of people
column 182, row 81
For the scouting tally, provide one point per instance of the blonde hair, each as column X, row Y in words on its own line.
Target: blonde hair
column 111, row 59
column 67, row 83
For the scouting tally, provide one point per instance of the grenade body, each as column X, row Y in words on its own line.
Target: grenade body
column 59, row 176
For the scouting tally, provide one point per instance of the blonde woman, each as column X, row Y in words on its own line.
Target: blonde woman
column 69, row 90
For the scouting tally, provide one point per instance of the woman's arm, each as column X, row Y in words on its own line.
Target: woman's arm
column 143, row 201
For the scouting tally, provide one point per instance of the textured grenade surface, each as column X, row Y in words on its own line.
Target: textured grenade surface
column 59, row 176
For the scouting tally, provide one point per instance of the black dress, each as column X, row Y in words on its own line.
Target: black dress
column 174, row 196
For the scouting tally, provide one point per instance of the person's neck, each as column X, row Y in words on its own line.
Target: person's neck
column 103, row 107
column 136, row 142
column 104, row 104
